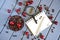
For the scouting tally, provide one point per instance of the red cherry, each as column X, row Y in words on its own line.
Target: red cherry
column 20, row 3
column 55, row 22
column 27, row 3
column 26, row 33
column 41, row 36
column 8, row 10
column 40, row 8
column 30, row 2
column 50, row 17
column 18, row 10
column 11, row 23
column 19, row 25
column 24, row 14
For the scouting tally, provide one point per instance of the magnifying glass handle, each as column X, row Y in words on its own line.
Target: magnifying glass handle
column 34, row 19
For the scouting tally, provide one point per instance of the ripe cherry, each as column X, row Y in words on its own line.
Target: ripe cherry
column 20, row 3
column 18, row 10
column 19, row 25
column 11, row 23
column 40, row 8
column 24, row 14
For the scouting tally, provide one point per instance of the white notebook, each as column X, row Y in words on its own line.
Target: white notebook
column 42, row 23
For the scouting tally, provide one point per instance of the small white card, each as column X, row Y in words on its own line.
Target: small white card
column 43, row 22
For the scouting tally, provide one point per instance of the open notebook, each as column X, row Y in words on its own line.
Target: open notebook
column 42, row 23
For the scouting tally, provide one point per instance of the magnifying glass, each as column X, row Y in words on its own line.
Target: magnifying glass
column 30, row 10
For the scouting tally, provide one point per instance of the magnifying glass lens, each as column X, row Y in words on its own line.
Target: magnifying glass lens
column 30, row 10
